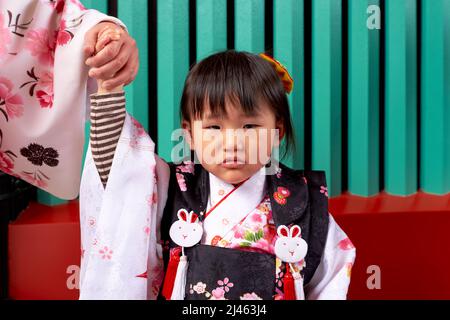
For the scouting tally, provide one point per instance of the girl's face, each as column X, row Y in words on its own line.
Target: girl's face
column 235, row 146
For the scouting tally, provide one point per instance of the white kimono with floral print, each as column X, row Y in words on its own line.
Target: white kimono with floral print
column 44, row 90
column 122, row 254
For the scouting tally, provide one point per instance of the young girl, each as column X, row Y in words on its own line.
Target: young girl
column 229, row 228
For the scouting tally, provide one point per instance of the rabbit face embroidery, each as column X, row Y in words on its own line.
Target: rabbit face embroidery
column 187, row 231
column 290, row 247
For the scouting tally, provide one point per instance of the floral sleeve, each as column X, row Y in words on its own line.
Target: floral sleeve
column 332, row 277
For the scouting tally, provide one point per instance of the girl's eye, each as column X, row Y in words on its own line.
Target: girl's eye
column 213, row 128
column 250, row 126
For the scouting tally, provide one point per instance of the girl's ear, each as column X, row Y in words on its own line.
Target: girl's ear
column 186, row 126
column 280, row 127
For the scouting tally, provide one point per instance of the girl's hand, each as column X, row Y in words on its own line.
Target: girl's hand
column 117, row 62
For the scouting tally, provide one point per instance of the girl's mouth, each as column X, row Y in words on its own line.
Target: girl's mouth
column 233, row 163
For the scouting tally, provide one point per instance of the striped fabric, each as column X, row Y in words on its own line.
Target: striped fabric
column 107, row 118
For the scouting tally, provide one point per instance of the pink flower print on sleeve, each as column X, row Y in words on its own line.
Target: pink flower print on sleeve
column 6, row 163
column 57, row 5
column 106, row 253
column 5, row 37
column 11, row 104
column 324, row 190
column 45, row 99
column 41, row 43
column 346, row 244
column 64, row 35
column 139, row 130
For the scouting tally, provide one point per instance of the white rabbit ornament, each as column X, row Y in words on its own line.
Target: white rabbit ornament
column 186, row 232
column 291, row 248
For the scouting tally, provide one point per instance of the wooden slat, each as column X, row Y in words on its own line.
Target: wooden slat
column 173, row 66
column 249, row 25
column 289, row 50
column 401, row 98
column 363, row 100
column 326, row 91
column 435, row 106
column 211, row 27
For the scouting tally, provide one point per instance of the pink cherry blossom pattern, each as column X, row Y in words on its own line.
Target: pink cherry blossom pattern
column 91, row 221
column 42, row 43
column 6, row 163
column 186, row 167
column 12, row 102
column 250, row 296
column 57, row 5
column 324, row 190
column 346, row 244
column 5, row 37
column 218, row 294
column 181, row 182
column 139, row 130
column 64, row 35
column 199, row 288
column 106, row 253
column 45, row 81
column 45, row 99
column 225, row 284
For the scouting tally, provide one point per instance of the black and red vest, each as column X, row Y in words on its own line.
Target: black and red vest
column 252, row 272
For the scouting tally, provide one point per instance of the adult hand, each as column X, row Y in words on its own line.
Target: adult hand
column 118, row 57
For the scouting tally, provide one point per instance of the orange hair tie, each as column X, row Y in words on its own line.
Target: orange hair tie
column 285, row 77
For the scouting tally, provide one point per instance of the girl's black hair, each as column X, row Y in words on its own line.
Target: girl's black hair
column 243, row 78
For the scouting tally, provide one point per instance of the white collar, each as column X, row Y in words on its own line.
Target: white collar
column 254, row 188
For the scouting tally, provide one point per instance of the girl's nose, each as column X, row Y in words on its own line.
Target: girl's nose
column 234, row 140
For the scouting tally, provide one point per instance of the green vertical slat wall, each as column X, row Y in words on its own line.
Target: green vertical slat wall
column 289, row 50
column 173, row 66
column 435, row 107
column 249, row 25
column 363, row 99
column 401, row 104
column 134, row 15
column 401, row 98
column 327, row 91
column 211, row 27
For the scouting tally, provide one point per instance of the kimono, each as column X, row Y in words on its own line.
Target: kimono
column 43, row 91
column 236, row 258
column 125, row 229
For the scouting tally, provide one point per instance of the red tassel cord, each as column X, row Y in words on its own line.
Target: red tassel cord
column 288, row 284
column 171, row 273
